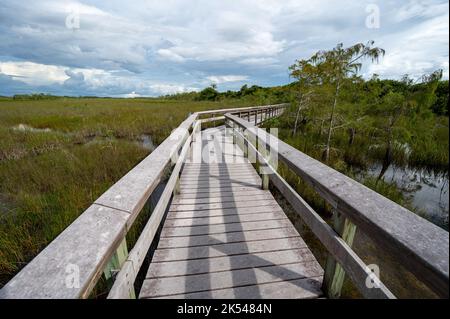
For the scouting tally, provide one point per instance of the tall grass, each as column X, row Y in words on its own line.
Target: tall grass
column 48, row 177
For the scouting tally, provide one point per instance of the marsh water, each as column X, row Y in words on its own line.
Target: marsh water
column 428, row 190
column 146, row 142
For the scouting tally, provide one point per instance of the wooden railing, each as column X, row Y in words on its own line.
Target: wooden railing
column 94, row 244
column 418, row 245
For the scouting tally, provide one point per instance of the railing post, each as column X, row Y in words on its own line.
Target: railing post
column 265, row 179
column 116, row 262
column 197, row 127
column 177, row 188
column 256, row 117
column 244, row 133
column 233, row 132
column 191, row 148
column 334, row 275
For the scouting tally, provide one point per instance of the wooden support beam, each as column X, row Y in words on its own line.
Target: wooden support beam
column 115, row 263
column 334, row 273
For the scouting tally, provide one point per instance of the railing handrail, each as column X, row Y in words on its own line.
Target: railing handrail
column 70, row 266
column 242, row 109
column 421, row 246
column 336, row 246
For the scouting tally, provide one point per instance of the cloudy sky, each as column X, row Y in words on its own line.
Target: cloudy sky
column 149, row 48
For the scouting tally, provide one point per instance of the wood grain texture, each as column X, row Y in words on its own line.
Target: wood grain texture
column 90, row 241
column 226, row 237
column 308, row 288
column 156, row 287
column 81, row 249
column 416, row 243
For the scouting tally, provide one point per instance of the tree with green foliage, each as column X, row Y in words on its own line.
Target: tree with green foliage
column 209, row 94
column 307, row 76
column 335, row 67
column 387, row 118
column 440, row 105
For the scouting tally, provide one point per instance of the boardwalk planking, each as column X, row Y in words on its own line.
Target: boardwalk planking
column 225, row 237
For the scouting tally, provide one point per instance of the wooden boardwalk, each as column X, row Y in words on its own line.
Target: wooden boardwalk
column 225, row 237
column 222, row 235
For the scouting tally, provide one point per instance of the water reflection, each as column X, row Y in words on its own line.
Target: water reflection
column 428, row 190
column 146, row 142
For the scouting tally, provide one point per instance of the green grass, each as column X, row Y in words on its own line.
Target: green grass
column 50, row 176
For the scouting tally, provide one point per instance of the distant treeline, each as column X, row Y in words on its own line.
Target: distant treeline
column 35, row 96
column 278, row 94
column 258, row 94
column 43, row 96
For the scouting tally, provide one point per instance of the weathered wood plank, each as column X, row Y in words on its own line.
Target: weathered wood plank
column 193, row 168
column 220, row 177
column 307, row 288
column 171, row 254
column 69, row 266
column 230, row 170
column 233, row 168
column 226, row 219
column 212, row 190
column 224, row 212
column 219, row 182
column 228, row 279
column 225, row 238
column 222, row 205
column 218, row 229
column 254, row 260
column 208, row 197
column 224, row 199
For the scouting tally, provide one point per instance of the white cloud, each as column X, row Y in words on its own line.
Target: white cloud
column 34, row 73
column 420, row 8
column 259, row 61
column 131, row 95
column 164, row 89
column 174, row 45
column 90, row 80
column 227, row 78
column 416, row 51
